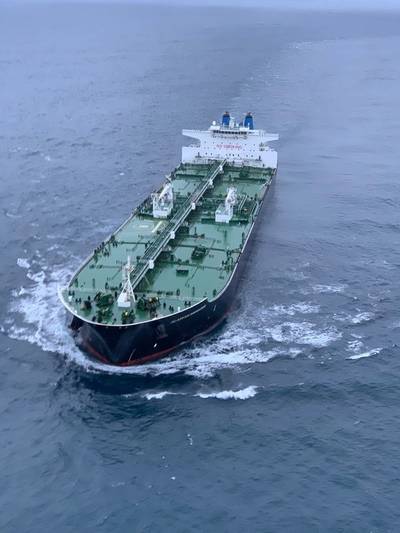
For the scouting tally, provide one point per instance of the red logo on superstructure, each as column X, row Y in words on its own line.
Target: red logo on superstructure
column 230, row 146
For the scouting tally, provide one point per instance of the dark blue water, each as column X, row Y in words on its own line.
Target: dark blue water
column 288, row 419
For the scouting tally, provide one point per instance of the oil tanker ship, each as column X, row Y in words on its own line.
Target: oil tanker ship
column 170, row 272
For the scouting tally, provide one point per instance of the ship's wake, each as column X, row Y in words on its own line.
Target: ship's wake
column 241, row 394
column 255, row 336
column 36, row 316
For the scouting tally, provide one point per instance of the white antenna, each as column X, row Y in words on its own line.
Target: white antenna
column 127, row 295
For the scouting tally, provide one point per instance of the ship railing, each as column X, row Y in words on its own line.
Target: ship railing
column 146, row 262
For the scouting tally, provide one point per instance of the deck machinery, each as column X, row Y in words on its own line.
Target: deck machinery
column 169, row 273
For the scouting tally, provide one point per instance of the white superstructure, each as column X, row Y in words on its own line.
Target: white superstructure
column 238, row 144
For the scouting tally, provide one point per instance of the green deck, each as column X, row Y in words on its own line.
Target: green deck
column 197, row 264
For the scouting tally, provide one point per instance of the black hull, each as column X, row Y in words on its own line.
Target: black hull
column 147, row 341
column 141, row 343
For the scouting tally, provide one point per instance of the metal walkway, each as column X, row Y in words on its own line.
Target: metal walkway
column 146, row 262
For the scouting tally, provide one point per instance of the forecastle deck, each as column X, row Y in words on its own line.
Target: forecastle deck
column 177, row 261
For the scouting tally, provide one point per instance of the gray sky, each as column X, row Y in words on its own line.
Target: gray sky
column 320, row 4
column 324, row 4
column 295, row 4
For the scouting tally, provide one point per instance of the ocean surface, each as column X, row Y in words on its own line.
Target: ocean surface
column 288, row 418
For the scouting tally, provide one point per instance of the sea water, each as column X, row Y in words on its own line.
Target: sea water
column 286, row 419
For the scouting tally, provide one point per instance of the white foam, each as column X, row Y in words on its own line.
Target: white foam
column 304, row 308
column 304, row 333
column 23, row 262
column 53, row 248
column 40, row 317
column 158, row 395
column 365, row 354
column 20, row 292
column 338, row 287
column 38, row 277
column 361, row 318
column 243, row 394
column 354, row 346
